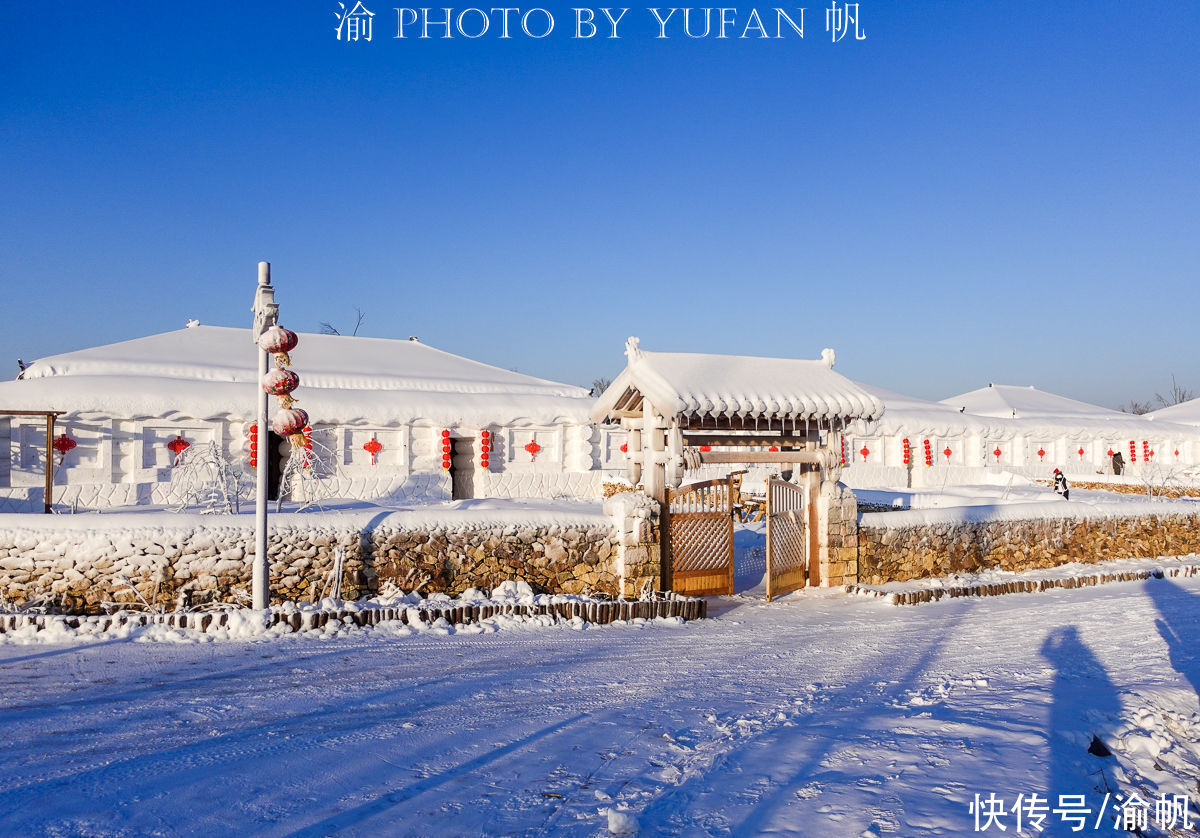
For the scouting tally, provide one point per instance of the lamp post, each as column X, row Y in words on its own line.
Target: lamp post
column 266, row 314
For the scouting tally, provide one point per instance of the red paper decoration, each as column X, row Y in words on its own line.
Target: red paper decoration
column 373, row 447
column 1111, row 452
column 928, row 453
column 907, row 452
column 1132, row 451
column 865, row 452
column 254, row 445
column 1081, row 452
column 62, row 445
column 1041, row 452
column 843, row 449
column 705, row 447
column 947, row 452
column 533, row 448
column 774, row 448
column 624, row 447
column 1176, row 452
column 178, row 445
column 997, row 453
column 447, row 449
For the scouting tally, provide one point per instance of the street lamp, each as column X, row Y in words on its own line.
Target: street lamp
column 266, row 314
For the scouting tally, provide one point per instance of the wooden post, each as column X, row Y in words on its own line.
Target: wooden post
column 48, row 500
column 812, row 521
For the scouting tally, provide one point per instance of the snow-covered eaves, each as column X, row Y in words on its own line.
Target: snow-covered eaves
column 701, row 385
column 209, row 372
column 1004, row 412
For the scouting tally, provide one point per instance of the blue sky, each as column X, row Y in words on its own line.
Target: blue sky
column 978, row 191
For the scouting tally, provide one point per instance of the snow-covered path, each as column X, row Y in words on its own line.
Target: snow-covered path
column 819, row 714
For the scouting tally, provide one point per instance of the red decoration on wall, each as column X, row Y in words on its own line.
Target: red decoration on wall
column 773, row 448
column 62, row 445
column 178, row 445
column 865, row 452
column 485, row 448
column 1132, row 451
column 947, row 452
column 1176, row 452
column 533, row 448
column 907, row 452
column 254, row 445
column 705, row 447
column 373, row 447
column 928, row 453
column 1041, row 452
column 1111, row 452
column 997, row 453
column 1081, row 452
column 843, row 449
column 624, row 447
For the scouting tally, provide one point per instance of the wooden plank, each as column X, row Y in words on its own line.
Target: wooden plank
column 32, row 412
column 725, row 440
column 811, row 457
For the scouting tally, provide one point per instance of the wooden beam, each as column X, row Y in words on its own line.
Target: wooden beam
column 724, row 440
column 32, row 412
column 49, row 498
column 811, row 457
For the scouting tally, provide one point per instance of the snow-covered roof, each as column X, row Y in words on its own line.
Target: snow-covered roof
column 1002, row 412
column 692, row 384
column 1006, row 401
column 208, row 372
column 1184, row 413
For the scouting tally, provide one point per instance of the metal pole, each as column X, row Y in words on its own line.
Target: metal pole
column 49, row 498
column 266, row 313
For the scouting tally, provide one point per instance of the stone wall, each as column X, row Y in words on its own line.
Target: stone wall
column 896, row 554
column 79, row 570
column 839, row 565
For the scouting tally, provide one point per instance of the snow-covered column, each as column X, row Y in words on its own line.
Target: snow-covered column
column 266, row 314
column 654, row 477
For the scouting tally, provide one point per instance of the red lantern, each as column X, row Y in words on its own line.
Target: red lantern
column 373, row 447
column 705, row 447
column 445, row 433
column 1111, row 452
column 907, row 452
column 1041, row 452
column 483, row 461
column 624, row 447
column 843, row 449
column 290, row 421
column 278, row 340
column 533, row 448
column 1132, row 451
column 947, row 452
column 997, row 453
column 280, row 382
column 1176, row 452
column 62, row 445
column 864, row 452
column 178, row 445
column 773, row 448
column 928, row 453
column 254, row 445
column 446, row 448
column 1081, row 452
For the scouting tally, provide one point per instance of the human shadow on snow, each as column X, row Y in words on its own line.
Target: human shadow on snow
column 1084, row 711
column 1179, row 626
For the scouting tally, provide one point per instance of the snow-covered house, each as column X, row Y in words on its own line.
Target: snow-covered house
column 393, row 418
column 1000, row 429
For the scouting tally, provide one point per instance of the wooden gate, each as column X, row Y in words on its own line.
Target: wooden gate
column 787, row 560
column 700, row 538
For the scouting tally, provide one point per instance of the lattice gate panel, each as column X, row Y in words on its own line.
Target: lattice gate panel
column 700, row 538
column 787, row 559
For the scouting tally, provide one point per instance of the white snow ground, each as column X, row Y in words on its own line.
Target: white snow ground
column 818, row 714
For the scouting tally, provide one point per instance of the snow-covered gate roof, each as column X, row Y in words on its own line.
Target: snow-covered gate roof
column 719, row 389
